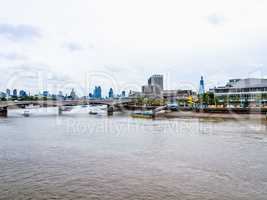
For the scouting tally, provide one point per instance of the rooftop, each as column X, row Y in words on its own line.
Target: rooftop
column 246, row 83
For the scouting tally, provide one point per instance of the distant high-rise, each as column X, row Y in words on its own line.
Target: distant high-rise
column 110, row 93
column 201, row 86
column 8, row 92
column 157, row 81
column 97, row 94
column 45, row 93
column 22, row 93
column 72, row 94
column 15, row 93
column 123, row 94
column 154, row 87
column 60, row 95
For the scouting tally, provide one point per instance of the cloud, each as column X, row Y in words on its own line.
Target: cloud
column 19, row 32
column 216, row 19
column 136, row 46
column 73, row 46
column 12, row 56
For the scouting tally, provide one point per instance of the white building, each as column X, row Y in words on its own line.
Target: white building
column 240, row 90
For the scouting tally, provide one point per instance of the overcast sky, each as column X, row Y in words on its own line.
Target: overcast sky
column 59, row 44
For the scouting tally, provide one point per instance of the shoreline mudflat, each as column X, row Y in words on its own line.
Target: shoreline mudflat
column 190, row 114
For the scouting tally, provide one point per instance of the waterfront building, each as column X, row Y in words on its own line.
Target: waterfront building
column 110, row 93
column 151, row 91
column 157, row 81
column 154, row 87
column 181, row 96
column 147, row 89
column 178, row 94
column 201, row 86
column 244, row 92
column 135, row 94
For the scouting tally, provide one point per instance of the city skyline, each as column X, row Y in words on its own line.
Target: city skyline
column 154, row 87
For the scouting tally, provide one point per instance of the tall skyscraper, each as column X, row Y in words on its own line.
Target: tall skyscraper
column 15, row 93
column 45, row 93
column 97, row 94
column 154, row 87
column 110, row 93
column 157, row 81
column 123, row 94
column 22, row 93
column 8, row 92
column 201, row 86
column 72, row 94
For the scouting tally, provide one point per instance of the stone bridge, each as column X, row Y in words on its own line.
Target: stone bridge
column 111, row 104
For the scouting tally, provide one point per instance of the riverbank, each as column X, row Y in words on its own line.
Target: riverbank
column 191, row 114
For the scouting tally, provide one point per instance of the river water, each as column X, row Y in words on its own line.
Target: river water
column 82, row 156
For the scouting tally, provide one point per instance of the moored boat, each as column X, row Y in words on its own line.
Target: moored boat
column 142, row 114
column 93, row 113
column 26, row 113
column 66, row 108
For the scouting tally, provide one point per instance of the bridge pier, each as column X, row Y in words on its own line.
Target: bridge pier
column 3, row 112
column 60, row 110
column 110, row 110
column 153, row 114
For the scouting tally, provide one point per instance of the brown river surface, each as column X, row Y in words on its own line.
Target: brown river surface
column 82, row 156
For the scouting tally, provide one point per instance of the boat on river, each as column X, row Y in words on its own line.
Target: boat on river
column 142, row 114
column 26, row 113
column 66, row 108
column 93, row 113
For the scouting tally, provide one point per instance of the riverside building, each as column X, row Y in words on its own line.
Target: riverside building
column 250, row 91
column 154, row 87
